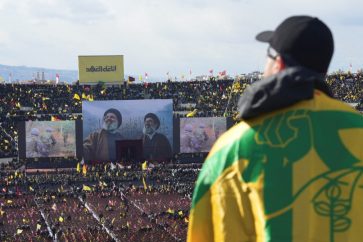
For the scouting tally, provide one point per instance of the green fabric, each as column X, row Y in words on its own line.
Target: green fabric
column 272, row 148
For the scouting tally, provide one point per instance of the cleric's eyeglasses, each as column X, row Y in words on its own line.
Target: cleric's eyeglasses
column 272, row 53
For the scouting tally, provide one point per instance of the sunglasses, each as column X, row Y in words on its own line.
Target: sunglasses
column 272, row 53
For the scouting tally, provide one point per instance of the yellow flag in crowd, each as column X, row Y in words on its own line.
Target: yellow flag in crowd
column 84, row 170
column 180, row 213
column 144, row 166
column 192, row 114
column 61, row 219
column 170, row 211
column 31, row 189
column 19, row 231
column 76, row 96
column 86, row 188
column 54, row 118
column 143, row 181
column 78, row 167
column 236, row 86
column 9, row 202
column 39, row 226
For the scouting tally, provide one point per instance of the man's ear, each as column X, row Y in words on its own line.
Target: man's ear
column 279, row 64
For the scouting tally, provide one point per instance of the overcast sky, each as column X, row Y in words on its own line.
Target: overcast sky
column 160, row 36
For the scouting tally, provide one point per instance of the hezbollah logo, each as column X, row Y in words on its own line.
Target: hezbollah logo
column 283, row 141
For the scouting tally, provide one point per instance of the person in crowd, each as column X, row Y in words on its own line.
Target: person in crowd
column 186, row 139
column 101, row 144
column 65, row 137
column 48, row 140
column 155, row 145
column 35, row 148
column 199, row 139
column 280, row 173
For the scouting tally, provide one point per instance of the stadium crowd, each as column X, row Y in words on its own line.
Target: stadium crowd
column 112, row 202
column 207, row 99
column 102, row 203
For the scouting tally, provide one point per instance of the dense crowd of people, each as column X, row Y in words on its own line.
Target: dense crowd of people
column 112, row 202
column 207, row 98
column 107, row 203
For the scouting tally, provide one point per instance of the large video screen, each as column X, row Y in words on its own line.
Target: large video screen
column 106, row 122
column 50, row 139
column 199, row 134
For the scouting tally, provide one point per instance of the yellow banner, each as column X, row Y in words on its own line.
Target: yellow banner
column 104, row 68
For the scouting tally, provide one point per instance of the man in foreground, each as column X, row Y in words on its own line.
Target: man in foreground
column 292, row 169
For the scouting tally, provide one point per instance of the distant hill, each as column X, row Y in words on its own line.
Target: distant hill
column 23, row 73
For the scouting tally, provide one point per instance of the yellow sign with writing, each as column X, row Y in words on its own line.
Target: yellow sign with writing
column 101, row 68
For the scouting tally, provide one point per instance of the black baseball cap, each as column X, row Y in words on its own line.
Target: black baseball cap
column 305, row 40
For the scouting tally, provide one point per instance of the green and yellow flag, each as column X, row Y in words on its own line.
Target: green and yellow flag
column 295, row 174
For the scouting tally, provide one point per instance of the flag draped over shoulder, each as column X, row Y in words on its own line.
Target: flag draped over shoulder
column 273, row 179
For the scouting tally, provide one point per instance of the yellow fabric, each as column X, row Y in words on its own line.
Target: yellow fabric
column 144, row 166
column 144, row 183
column 86, row 188
column 214, row 217
column 234, row 210
column 76, row 96
column 84, row 170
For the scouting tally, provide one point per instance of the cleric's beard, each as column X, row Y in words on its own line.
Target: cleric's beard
column 112, row 127
column 149, row 130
